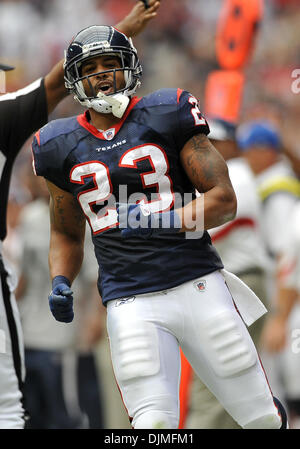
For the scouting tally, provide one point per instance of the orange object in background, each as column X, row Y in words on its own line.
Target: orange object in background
column 223, row 94
column 236, row 32
column 184, row 391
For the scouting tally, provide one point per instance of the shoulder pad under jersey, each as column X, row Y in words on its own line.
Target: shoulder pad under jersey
column 51, row 146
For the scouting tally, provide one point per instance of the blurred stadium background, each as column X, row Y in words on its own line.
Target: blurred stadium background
column 176, row 50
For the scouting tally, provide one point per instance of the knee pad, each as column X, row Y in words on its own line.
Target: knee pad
column 271, row 421
column 229, row 347
column 276, row 420
column 155, row 420
column 138, row 350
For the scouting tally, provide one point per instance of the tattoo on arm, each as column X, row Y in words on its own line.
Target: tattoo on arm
column 60, row 212
column 78, row 214
column 205, row 163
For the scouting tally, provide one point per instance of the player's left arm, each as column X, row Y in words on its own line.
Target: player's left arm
column 208, row 172
column 133, row 24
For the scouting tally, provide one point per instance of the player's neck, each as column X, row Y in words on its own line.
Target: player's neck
column 103, row 121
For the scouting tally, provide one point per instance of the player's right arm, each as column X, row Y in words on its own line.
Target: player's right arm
column 67, row 230
column 208, row 172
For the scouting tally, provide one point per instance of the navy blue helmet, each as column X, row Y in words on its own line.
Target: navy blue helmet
column 98, row 40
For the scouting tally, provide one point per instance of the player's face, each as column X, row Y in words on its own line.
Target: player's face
column 103, row 82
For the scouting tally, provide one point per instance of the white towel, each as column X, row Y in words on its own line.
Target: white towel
column 249, row 305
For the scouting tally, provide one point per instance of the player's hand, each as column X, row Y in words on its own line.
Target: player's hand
column 135, row 22
column 137, row 220
column 61, row 300
column 274, row 335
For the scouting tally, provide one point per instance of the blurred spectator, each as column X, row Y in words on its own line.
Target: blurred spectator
column 281, row 333
column 61, row 386
column 241, row 248
column 279, row 189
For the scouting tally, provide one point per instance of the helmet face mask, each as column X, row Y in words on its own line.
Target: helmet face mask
column 98, row 41
column 127, row 69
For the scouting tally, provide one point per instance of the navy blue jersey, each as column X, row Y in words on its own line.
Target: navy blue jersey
column 136, row 160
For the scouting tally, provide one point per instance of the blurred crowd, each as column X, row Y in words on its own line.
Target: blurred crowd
column 177, row 50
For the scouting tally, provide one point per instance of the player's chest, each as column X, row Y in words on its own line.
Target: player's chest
column 102, row 173
column 137, row 161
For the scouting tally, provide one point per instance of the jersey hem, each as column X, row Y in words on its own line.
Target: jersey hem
column 148, row 290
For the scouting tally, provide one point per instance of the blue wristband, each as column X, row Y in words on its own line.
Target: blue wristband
column 169, row 222
column 60, row 280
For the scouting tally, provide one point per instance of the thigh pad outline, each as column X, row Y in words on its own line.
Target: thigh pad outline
column 138, row 350
column 229, row 347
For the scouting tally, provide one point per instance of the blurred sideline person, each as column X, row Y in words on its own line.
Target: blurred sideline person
column 162, row 288
column 241, row 248
column 279, row 190
column 240, row 241
column 22, row 113
column 282, row 327
column 61, row 384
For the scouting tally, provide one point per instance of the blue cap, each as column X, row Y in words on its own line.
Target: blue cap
column 258, row 134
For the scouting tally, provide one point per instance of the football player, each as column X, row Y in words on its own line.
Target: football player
column 22, row 113
column 123, row 165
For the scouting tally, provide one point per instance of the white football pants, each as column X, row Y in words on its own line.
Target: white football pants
column 12, row 370
column 145, row 333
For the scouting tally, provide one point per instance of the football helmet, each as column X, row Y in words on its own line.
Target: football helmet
column 98, row 40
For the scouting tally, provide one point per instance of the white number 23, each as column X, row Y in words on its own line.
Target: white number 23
column 103, row 188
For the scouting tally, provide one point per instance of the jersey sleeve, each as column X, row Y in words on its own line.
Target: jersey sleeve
column 191, row 121
column 48, row 159
column 21, row 114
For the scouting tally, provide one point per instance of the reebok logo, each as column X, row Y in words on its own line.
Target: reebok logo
column 123, row 301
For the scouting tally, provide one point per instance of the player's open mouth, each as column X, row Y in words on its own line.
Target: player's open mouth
column 105, row 88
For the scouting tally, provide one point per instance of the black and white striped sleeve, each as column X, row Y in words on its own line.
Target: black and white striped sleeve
column 21, row 113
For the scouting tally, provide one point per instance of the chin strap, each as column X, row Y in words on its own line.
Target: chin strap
column 118, row 103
